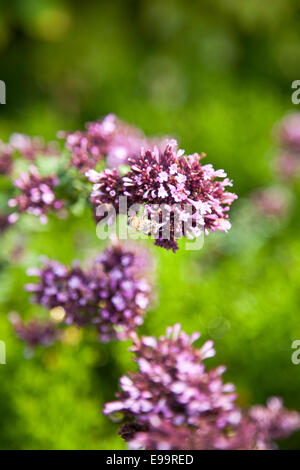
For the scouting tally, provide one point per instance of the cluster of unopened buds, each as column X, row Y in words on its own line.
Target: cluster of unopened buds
column 173, row 402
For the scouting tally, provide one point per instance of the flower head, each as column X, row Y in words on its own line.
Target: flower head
column 36, row 195
column 112, row 296
column 174, row 402
column 288, row 132
column 108, row 137
column 183, row 196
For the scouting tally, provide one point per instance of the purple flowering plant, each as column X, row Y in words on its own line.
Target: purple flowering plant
column 172, row 401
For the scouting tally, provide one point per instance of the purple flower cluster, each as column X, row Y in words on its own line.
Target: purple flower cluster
column 176, row 190
column 288, row 135
column 112, row 295
column 4, row 223
column 288, row 132
column 37, row 196
column 30, row 148
column 6, row 162
column 108, row 137
column 173, row 402
column 27, row 147
column 35, row 332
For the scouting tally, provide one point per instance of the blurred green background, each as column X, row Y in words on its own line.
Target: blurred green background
column 216, row 75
